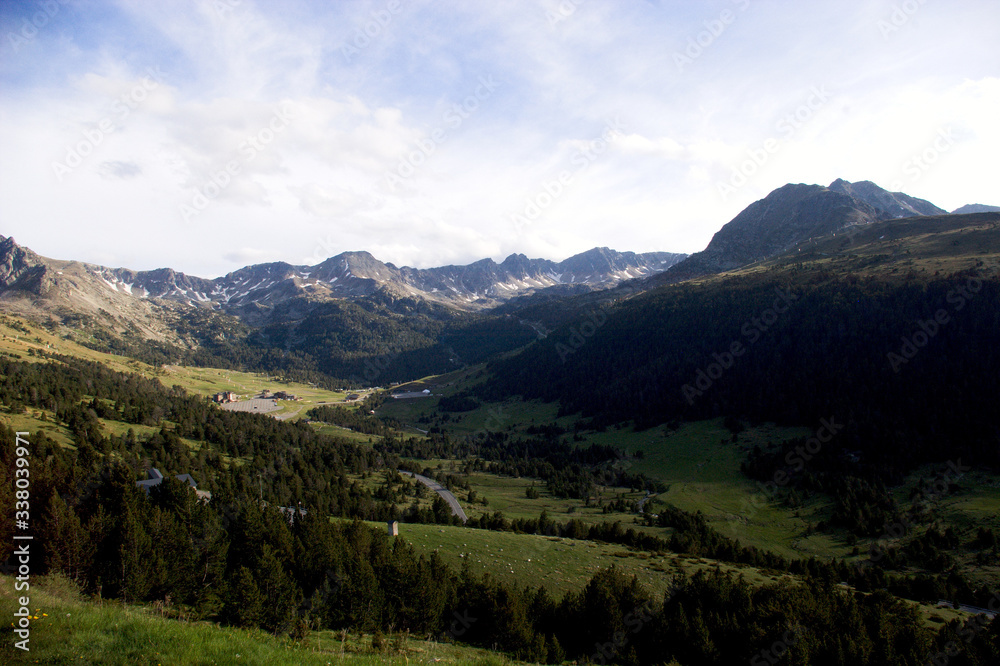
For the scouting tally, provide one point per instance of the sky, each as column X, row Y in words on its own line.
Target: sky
column 208, row 135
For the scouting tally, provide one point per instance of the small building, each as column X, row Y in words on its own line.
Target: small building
column 393, row 528
column 352, row 397
column 226, row 396
column 156, row 478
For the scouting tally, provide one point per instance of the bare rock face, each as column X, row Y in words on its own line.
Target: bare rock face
column 890, row 205
column 20, row 268
column 150, row 301
column 352, row 275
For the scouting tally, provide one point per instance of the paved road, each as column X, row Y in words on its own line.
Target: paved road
column 456, row 508
column 287, row 415
column 975, row 610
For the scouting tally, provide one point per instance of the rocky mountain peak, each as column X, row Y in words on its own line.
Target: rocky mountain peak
column 789, row 215
column 796, row 213
column 18, row 266
column 262, row 288
column 890, row 205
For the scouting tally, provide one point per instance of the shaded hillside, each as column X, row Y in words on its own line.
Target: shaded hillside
column 788, row 216
column 975, row 208
column 816, row 339
column 350, row 317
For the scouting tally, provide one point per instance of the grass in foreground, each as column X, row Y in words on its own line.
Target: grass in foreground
column 73, row 631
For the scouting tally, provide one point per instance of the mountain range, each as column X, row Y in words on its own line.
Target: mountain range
column 333, row 309
column 348, row 275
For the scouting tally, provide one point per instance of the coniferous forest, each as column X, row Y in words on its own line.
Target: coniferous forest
column 245, row 559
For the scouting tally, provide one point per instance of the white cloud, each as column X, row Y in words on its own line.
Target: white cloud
column 332, row 127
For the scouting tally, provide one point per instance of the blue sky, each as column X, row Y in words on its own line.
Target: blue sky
column 208, row 135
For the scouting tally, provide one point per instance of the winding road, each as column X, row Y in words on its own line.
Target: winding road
column 446, row 494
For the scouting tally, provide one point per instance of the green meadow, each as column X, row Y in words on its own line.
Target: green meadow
column 70, row 629
column 562, row 565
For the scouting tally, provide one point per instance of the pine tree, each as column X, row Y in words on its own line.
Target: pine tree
column 245, row 603
column 556, row 654
column 123, row 548
column 279, row 592
column 71, row 550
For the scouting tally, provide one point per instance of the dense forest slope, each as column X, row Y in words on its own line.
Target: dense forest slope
column 867, row 334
